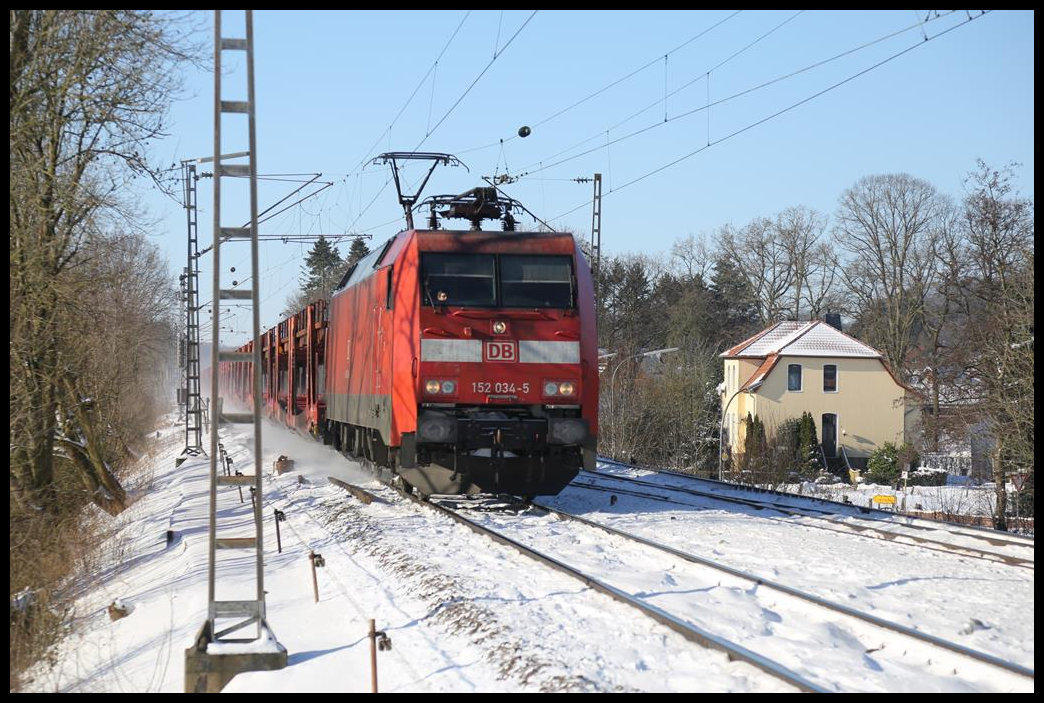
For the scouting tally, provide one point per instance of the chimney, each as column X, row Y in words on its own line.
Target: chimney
column 834, row 320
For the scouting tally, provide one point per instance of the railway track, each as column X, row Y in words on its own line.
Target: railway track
column 834, row 507
column 696, row 584
column 385, row 500
column 808, row 597
column 691, row 632
column 785, row 611
column 909, row 532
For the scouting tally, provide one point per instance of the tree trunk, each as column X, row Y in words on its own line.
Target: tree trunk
column 933, row 432
column 90, row 458
column 33, row 459
column 100, row 496
column 1000, row 520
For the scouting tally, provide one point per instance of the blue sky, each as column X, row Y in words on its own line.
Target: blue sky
column 801, row 105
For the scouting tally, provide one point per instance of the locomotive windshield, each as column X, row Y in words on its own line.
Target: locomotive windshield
column 504, row 280
column 459, row 279
column 536, row 281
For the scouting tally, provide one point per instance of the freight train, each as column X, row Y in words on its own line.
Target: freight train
column 462, row 361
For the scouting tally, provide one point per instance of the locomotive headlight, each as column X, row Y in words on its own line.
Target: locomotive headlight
column 558, row 389
column 440, row 387
column 499, row 327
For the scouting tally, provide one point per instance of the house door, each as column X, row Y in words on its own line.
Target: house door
column 830, row 435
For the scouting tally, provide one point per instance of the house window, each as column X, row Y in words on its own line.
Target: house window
column 794, row 377
column 830, row 378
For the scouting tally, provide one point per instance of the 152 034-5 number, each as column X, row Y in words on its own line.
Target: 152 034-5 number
column 499, row 387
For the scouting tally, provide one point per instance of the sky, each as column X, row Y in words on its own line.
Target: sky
column 695, row 119
column 465, row 614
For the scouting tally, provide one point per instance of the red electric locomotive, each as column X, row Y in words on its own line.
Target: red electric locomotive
column 466, row 361
column 463, row 361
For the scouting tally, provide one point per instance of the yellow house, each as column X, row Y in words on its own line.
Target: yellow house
column 795, row 367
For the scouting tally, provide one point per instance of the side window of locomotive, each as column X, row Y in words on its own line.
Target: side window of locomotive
column 528, row 281
column 458, row 279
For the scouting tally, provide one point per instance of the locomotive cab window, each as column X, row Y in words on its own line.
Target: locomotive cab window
column 458, row 279
column 536, row 281
column 505, row 280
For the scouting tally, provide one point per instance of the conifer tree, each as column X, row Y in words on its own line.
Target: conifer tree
column 322, row 270
column 357, row 251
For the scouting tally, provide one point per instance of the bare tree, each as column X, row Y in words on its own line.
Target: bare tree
column 107, row 395
column 798, row 230
column 889, row 226
column 939, row 363
column 821, row 282
column 814, row 262
column 691, row 259
column 998, row 298
column 89, row 299
column 764, row 261
column 89, row 91
column 784, row 263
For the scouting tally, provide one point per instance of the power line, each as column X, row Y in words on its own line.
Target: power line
column 747, row 91
column 613, row 84
column 702, row 75
column 453, row 107
column 402, row 109
column 357, row 171
column 477, row 78
column 370, row 204
column 783, row 111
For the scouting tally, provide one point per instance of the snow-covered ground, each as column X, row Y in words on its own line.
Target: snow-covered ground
column 467, row 615
column 953, row 499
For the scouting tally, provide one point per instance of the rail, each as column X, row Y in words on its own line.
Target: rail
column 706, row 639
column 802, row 595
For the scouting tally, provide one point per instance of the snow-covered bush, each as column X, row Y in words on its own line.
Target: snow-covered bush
column 886, row 462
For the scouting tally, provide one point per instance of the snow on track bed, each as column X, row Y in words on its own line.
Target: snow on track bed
column 539, row 630
column 828, row 647
column 977, row 545
column 951, row 597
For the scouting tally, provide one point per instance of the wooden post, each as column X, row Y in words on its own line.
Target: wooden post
column 373, row 655
column 315, row 581
column 279, row 517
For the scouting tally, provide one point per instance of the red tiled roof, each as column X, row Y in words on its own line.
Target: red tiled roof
column 761, row 372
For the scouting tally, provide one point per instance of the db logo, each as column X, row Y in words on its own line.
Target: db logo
column 497, row 350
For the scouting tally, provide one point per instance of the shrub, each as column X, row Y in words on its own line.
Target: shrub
column 886, row 462
column 1024, row 499
column 927, row 477
column 798, row 435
